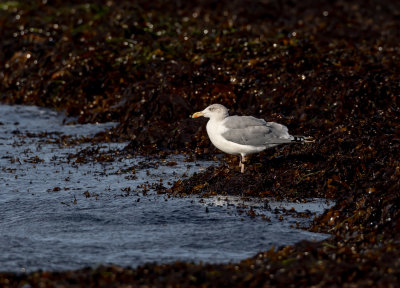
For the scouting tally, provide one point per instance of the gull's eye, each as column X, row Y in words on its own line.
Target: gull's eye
column 211, row 109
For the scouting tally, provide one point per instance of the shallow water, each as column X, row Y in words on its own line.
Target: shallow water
column 57, row 214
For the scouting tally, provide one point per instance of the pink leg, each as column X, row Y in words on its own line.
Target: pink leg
column 241, row 164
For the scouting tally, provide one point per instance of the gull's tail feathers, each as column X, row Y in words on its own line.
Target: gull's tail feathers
column 303, row 139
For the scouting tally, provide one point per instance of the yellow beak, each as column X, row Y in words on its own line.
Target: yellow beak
column 197, row 114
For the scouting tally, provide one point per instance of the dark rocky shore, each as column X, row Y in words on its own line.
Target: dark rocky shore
column 327, row 69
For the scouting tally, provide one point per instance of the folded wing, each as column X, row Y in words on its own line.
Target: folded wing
column 247, row 130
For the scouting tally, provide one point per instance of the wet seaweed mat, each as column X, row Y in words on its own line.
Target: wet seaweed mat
column 330, row 70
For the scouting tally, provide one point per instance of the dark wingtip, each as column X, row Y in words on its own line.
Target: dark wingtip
column 303, row 139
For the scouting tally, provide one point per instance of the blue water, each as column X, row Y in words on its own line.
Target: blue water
column 47, row 221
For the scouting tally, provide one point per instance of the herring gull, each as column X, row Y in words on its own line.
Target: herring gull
column 244, row 135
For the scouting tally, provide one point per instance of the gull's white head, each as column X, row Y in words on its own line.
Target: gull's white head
column 214, row 111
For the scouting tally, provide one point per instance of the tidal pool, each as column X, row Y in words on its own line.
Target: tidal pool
column 57, row 213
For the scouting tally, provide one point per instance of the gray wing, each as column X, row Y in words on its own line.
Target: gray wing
column 255, row 132
column 239, row 122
